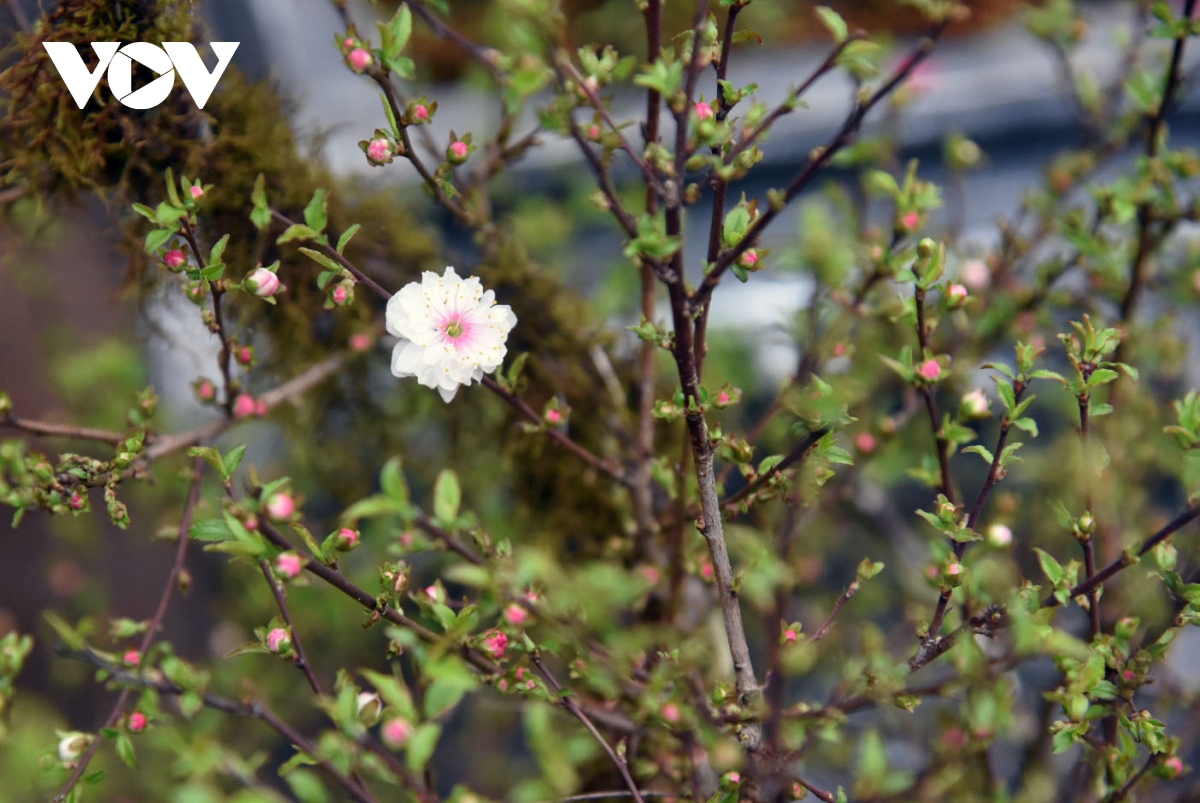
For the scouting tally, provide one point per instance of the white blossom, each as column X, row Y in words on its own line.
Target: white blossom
column 451, row 331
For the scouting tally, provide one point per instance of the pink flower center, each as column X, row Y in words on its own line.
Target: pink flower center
column 457, row 329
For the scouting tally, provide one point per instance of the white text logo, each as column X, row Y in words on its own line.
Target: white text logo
column 164, row 61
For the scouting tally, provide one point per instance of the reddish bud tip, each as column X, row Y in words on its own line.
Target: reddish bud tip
column 244, row 406
column 359, row 59
column 174, row 258
column 137, row 722
column 281, row 506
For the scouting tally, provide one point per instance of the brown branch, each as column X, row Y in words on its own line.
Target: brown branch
column 160, row 613
column 1154, row 136
column 225, row 355
column 568, row 702
column 822, row 631
column 332, row 253
column 61, row 430
column 798, row 452
column 564, row 440
column 1189, row 515
column 820, row 157
column 301, row 660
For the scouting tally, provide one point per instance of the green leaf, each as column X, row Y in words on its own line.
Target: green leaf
column 1050, row 567
column 125, row 750
column 393, row 691
column 211, row 530
column 349, row 233
column 321, row 259
column 316, row 214
column 157, row 238
column 218, row 250
column 982, row 452
column 834, row 22
column 70, row 635
column 297, row 231
column 421, row 745
column 391, row 480
column 446, row 497
column 233, row 458
column 399, row 30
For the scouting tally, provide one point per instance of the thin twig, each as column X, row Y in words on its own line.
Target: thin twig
column 301, row 660
column 822, row 631
column 62, row 430
column 566, row 701
column 252, row 710
column 160, row 613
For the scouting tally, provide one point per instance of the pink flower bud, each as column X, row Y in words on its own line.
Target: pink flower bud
column 554, row 416
column 281, row 506
column 289, row 565
column 341, row 295
column 790, row 635
column 651, row 575
column 395, row 733
column 458, row 152
column 137, row 722
column 77, row 501
column 360, row 342
column 262, row 282
column 1174, row 766
column 379, row 151
column 244, row 406
column 749, row 258
column 359, row 59
column 347, row 539
column 865, row 442
column 516, row 614
column 420, row 113
column 723, row 399
column 245, row 355
column 196, row 191
column 956, row 296
column 974, row 405
column 706, row 570
column 1129, row 675
column 495, row 643
column 434, row 593
column 174, row 258
column 704, row 111
column 670, row 712
column 929, row 370
column 839, row 349
column 279, row 640
column 251, row 523
column 593, row 132
column 131, row 658
column 349, row 43
column 954, row 569
column 733, row 777
column 206, row 390
column 910, row 221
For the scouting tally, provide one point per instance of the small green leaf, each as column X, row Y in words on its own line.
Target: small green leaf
column 321, row 259
column 316, row 214
column 297, row 231
column 157, row 238
column 834, row 22
column 421, row 745
column 446, row 497
column 349, row 233
column 1050, row 567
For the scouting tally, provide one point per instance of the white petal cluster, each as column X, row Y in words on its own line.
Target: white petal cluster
column 451, row 331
